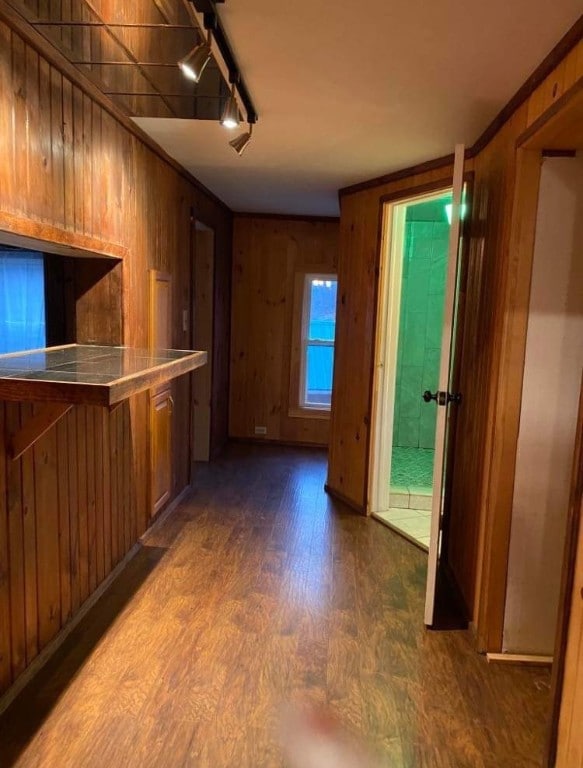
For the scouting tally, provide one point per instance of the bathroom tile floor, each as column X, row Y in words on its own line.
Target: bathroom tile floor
column 415, row 524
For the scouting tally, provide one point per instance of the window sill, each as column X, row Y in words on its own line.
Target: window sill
column 309, row 413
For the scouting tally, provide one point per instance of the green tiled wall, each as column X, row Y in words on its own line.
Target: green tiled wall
column 420, row 326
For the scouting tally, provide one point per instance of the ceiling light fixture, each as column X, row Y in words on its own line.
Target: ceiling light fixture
column 241, row 142
column 193, row 65
column 230, row 118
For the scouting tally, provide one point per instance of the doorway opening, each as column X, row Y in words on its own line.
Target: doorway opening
column 203, row 271
column 417, row 251
column 541, row 615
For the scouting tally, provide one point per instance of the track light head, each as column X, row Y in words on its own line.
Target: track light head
column 193, row 65
column 230, row 118
column 241, row 142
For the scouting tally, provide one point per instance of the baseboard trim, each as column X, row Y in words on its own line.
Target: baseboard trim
column 520, row 658
column 47, row 652
column 284, row 443
column 339, row 496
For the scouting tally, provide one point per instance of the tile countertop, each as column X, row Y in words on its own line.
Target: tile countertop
column 90, row 375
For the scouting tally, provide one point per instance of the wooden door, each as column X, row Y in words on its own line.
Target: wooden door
column 445, row 396
column 161, row 403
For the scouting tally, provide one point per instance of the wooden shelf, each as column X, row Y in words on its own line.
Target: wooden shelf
column 79, row 374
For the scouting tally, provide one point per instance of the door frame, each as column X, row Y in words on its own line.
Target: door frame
column 567, row 586
column 557, row 132
column 197, row 228
column 377, row 435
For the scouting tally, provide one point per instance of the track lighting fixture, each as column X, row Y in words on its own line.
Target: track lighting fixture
column 193, row 65
column 230, row 118
column 241, row 142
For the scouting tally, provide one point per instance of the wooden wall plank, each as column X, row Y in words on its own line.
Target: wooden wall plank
column 268, row 253
column 64, row 514
column 7, row 628
column 77, row 182
column 11, row 479
column 6, row 167
column 73, row 508
column 100, row 488
column 106, row 490
column 82, row 510
column 91, row 501
column 48, row 584
column 30, row 546
column 56, row 190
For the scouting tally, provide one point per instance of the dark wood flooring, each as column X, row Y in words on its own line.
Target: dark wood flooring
column 259, row 590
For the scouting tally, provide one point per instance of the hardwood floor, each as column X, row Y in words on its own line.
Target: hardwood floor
column 259, row 590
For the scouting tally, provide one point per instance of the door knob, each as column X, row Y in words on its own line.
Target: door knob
column 442, row 398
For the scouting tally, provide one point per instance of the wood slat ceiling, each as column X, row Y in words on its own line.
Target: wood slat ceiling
column 131, row 50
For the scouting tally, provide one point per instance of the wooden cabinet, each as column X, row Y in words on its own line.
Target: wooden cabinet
column 161, row 405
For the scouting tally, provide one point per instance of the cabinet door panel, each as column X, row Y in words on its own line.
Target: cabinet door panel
column 160, row 449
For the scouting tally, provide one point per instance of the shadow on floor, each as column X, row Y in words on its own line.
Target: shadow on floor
column 450, row 612
column 21, row 720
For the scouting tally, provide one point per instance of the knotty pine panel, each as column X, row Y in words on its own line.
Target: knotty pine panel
column 74, row 505
column 267, row 254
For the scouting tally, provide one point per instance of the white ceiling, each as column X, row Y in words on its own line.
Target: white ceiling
column 349, row 91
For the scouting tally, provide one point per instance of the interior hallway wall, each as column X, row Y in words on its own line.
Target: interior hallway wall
column 268, row 254
column 550, row 397
column 74, row 171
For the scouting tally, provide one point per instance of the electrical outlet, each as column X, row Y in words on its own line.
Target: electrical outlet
column 260, row 430
column 184, row 320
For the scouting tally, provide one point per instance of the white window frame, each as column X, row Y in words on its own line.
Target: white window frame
column 305, row 341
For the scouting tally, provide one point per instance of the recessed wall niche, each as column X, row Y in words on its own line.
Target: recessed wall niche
column 48, row 299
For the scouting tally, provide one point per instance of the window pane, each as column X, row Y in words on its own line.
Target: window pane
column 319, row 368
column 22, row 301
column 322, row 310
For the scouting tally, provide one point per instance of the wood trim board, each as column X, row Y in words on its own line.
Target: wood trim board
column 48, row 238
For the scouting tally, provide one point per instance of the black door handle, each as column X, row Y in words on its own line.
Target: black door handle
column 442, row 398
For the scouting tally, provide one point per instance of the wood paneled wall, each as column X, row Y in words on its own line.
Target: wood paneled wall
column 267, row 255
column 72, row 171
column 483, row 452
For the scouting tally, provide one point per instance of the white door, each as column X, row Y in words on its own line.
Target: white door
column 443, row 397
